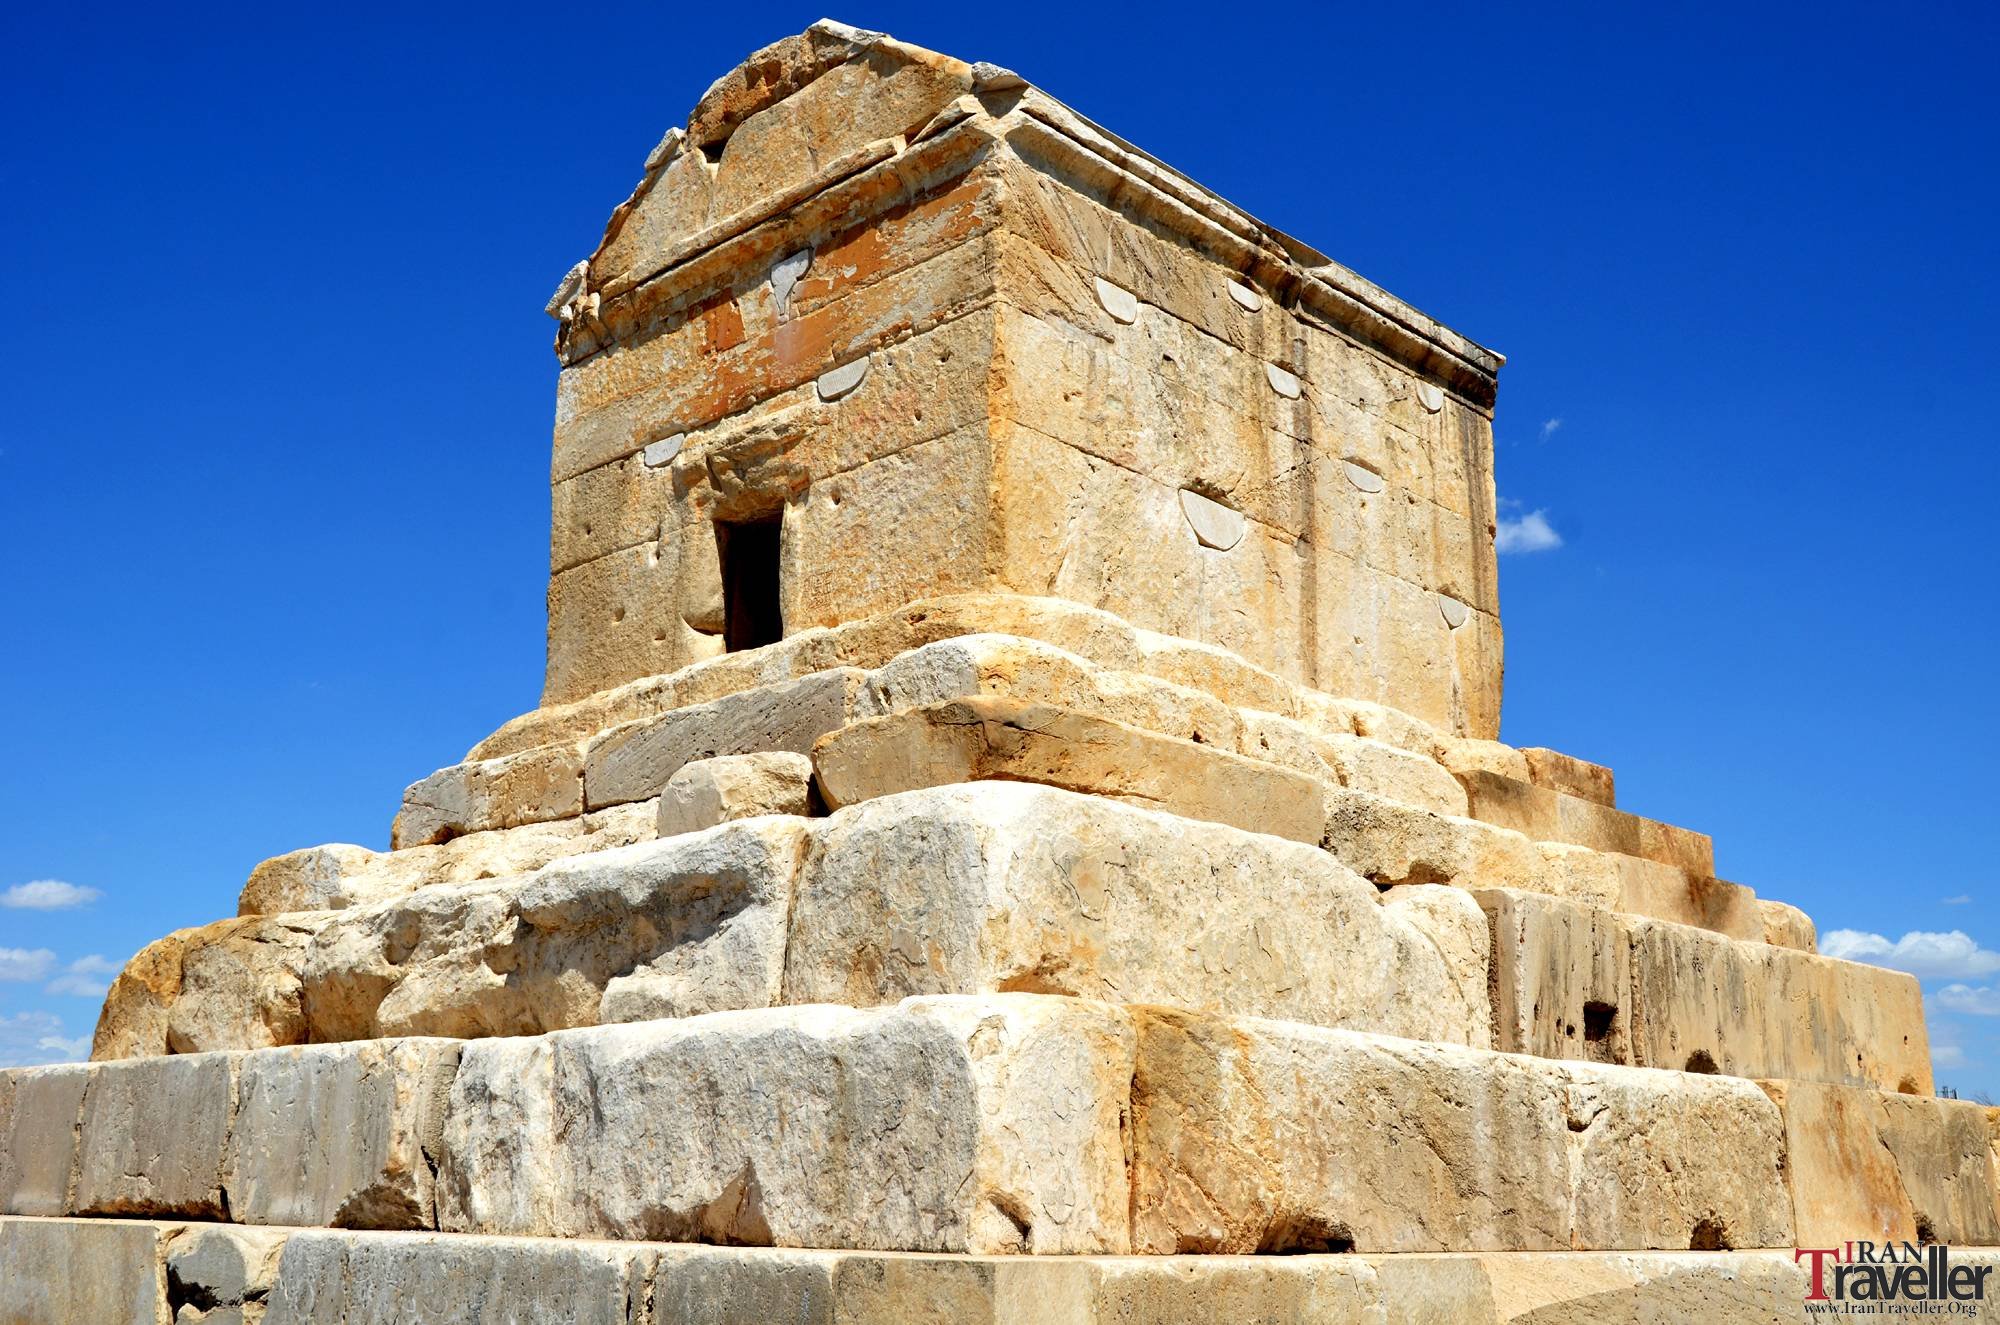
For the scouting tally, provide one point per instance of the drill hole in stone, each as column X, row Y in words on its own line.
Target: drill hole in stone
column 1597, row 1019
column 752, row 614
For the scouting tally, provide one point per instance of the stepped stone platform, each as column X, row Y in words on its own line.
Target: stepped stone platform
column 1014, row 831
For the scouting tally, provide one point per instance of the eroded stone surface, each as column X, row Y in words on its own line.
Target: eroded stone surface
column 342, row 1135
column 943, row 1124
column 1271, row 1137
column 1009, row 886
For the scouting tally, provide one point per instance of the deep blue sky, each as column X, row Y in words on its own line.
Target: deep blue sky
column 274, row 451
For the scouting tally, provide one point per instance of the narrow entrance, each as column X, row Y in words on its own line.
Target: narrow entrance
column 751, row 613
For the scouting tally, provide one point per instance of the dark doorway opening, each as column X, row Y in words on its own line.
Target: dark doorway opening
column 751, row 613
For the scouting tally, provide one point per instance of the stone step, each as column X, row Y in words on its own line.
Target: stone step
column 340, row 874
column 1548, row 814
column 103, row 1272
column 1001, row 1124
column 1571, row 981
column 976, row 888
column 632, row 761
column 970, row 740
column 990, row 887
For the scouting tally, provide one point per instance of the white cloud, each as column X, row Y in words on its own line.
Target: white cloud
column 1963, row 899
column 31, row 1038
column 86, row 977
column 1983, row 1001
column 1526, row 533
column 48, row 895
column 1549, row 427
column 1952, row 955
column 1947, row 1055
column 25, row 963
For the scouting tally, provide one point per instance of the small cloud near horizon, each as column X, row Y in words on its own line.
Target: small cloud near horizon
column 1526, row 533
column 1928, row 955
column 29, row 1039
column 47, row 895
column 25, row 963
column 1983, row 1001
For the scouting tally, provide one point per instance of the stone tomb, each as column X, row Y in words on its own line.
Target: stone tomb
column 1013, row 832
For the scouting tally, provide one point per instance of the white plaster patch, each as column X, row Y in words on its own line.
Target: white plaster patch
column 663, row 451
column 1214, row 524
column 1121, row 303
column 1362, row 477
column 1430, row 396
column 1282, row 381
column 1246, row 298
column 1454, row 612
column 837, row 382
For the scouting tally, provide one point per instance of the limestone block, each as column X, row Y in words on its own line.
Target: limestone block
column 1353, row 761
column 1786, row 926
column 675, row 927
column 39, row 1110
column 1265, row 1136
column 1561, row 979
column 153, row 1137
column 74, row 1272
column 918, row 390
column 712, row 791
column 973, row 739
column 1570, row 775
column 1666, row 892
column 329, row 878
column 342, row 1278
column 1750, row 1009
column 1388, row 842
column 1541, row 813
column 341, row 1135
column 1574, row 981
column 1584, row 1288
column 942, row 1124
column 634, row 762
column 223, row 1267
column 700, row 366
column 998, row 886
column 533, row 786
column 890, row 531
column 1025, row 669
column 1082, row 527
